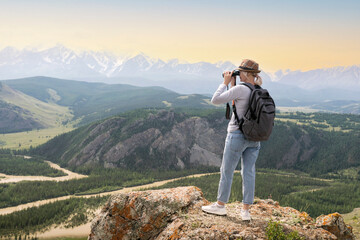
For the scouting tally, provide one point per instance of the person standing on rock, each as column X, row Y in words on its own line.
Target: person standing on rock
column 236, row 146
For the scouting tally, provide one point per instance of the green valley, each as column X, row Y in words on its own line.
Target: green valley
column 313, row 195
column 304, row 165
column 99, row 180
column 93, row 101
column 311, row 162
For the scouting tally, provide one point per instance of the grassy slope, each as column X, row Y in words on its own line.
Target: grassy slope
column 25, row 140
column 353, row 218
column 16, row 119
column 48, row 114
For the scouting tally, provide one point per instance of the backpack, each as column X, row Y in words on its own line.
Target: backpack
column 258, row 120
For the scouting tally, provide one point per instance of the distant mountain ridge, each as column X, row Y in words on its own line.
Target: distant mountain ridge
column 142, row 70
column 60, row 61
column 91, row 101
column 335, row 77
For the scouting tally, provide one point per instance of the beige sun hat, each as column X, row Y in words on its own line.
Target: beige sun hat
column 248, row 65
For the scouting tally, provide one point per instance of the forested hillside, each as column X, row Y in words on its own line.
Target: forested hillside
column 168, row 139
column 156, row 139
column 19, row 165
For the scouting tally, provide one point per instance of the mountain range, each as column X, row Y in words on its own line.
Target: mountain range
column 63, row 62
column 142, row 70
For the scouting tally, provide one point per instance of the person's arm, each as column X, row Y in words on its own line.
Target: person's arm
column 222, row 96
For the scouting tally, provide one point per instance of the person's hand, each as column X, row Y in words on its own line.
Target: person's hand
column 227, row 77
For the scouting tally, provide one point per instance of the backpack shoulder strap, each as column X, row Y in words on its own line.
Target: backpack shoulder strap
column 251, row 87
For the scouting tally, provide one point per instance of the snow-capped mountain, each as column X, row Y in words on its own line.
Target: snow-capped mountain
column 336, row 77
column 184, row 77
column 62, row 62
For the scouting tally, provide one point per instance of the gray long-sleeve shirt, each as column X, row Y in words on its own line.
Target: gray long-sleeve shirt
column 240, row 94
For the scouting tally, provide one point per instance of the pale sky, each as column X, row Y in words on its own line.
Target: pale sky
column 279, row 34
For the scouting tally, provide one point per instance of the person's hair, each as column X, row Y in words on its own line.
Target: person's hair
column 257, row 78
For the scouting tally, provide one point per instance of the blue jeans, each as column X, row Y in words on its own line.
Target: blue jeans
column 236, row 147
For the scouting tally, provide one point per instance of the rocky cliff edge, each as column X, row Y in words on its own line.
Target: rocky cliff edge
column 176, row 214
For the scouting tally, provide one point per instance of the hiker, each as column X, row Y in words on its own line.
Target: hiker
column 236, row 146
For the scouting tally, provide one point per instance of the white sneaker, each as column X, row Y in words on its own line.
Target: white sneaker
column 214, row 209
column 245, row 215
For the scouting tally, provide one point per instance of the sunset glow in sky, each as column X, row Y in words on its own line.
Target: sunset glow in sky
column 279, row 34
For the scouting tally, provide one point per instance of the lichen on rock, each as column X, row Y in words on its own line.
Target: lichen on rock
column 335, row 224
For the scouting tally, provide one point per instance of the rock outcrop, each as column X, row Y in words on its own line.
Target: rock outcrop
column 160, row 140
column 176, row 214
column 335, row 224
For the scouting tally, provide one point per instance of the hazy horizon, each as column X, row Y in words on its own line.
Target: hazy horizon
column 155, row 58
column 295, row 35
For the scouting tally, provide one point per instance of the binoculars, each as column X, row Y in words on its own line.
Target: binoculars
column 235, row 73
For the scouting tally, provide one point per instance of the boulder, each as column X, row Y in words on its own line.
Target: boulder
column 335, row 224
column 143, row 214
